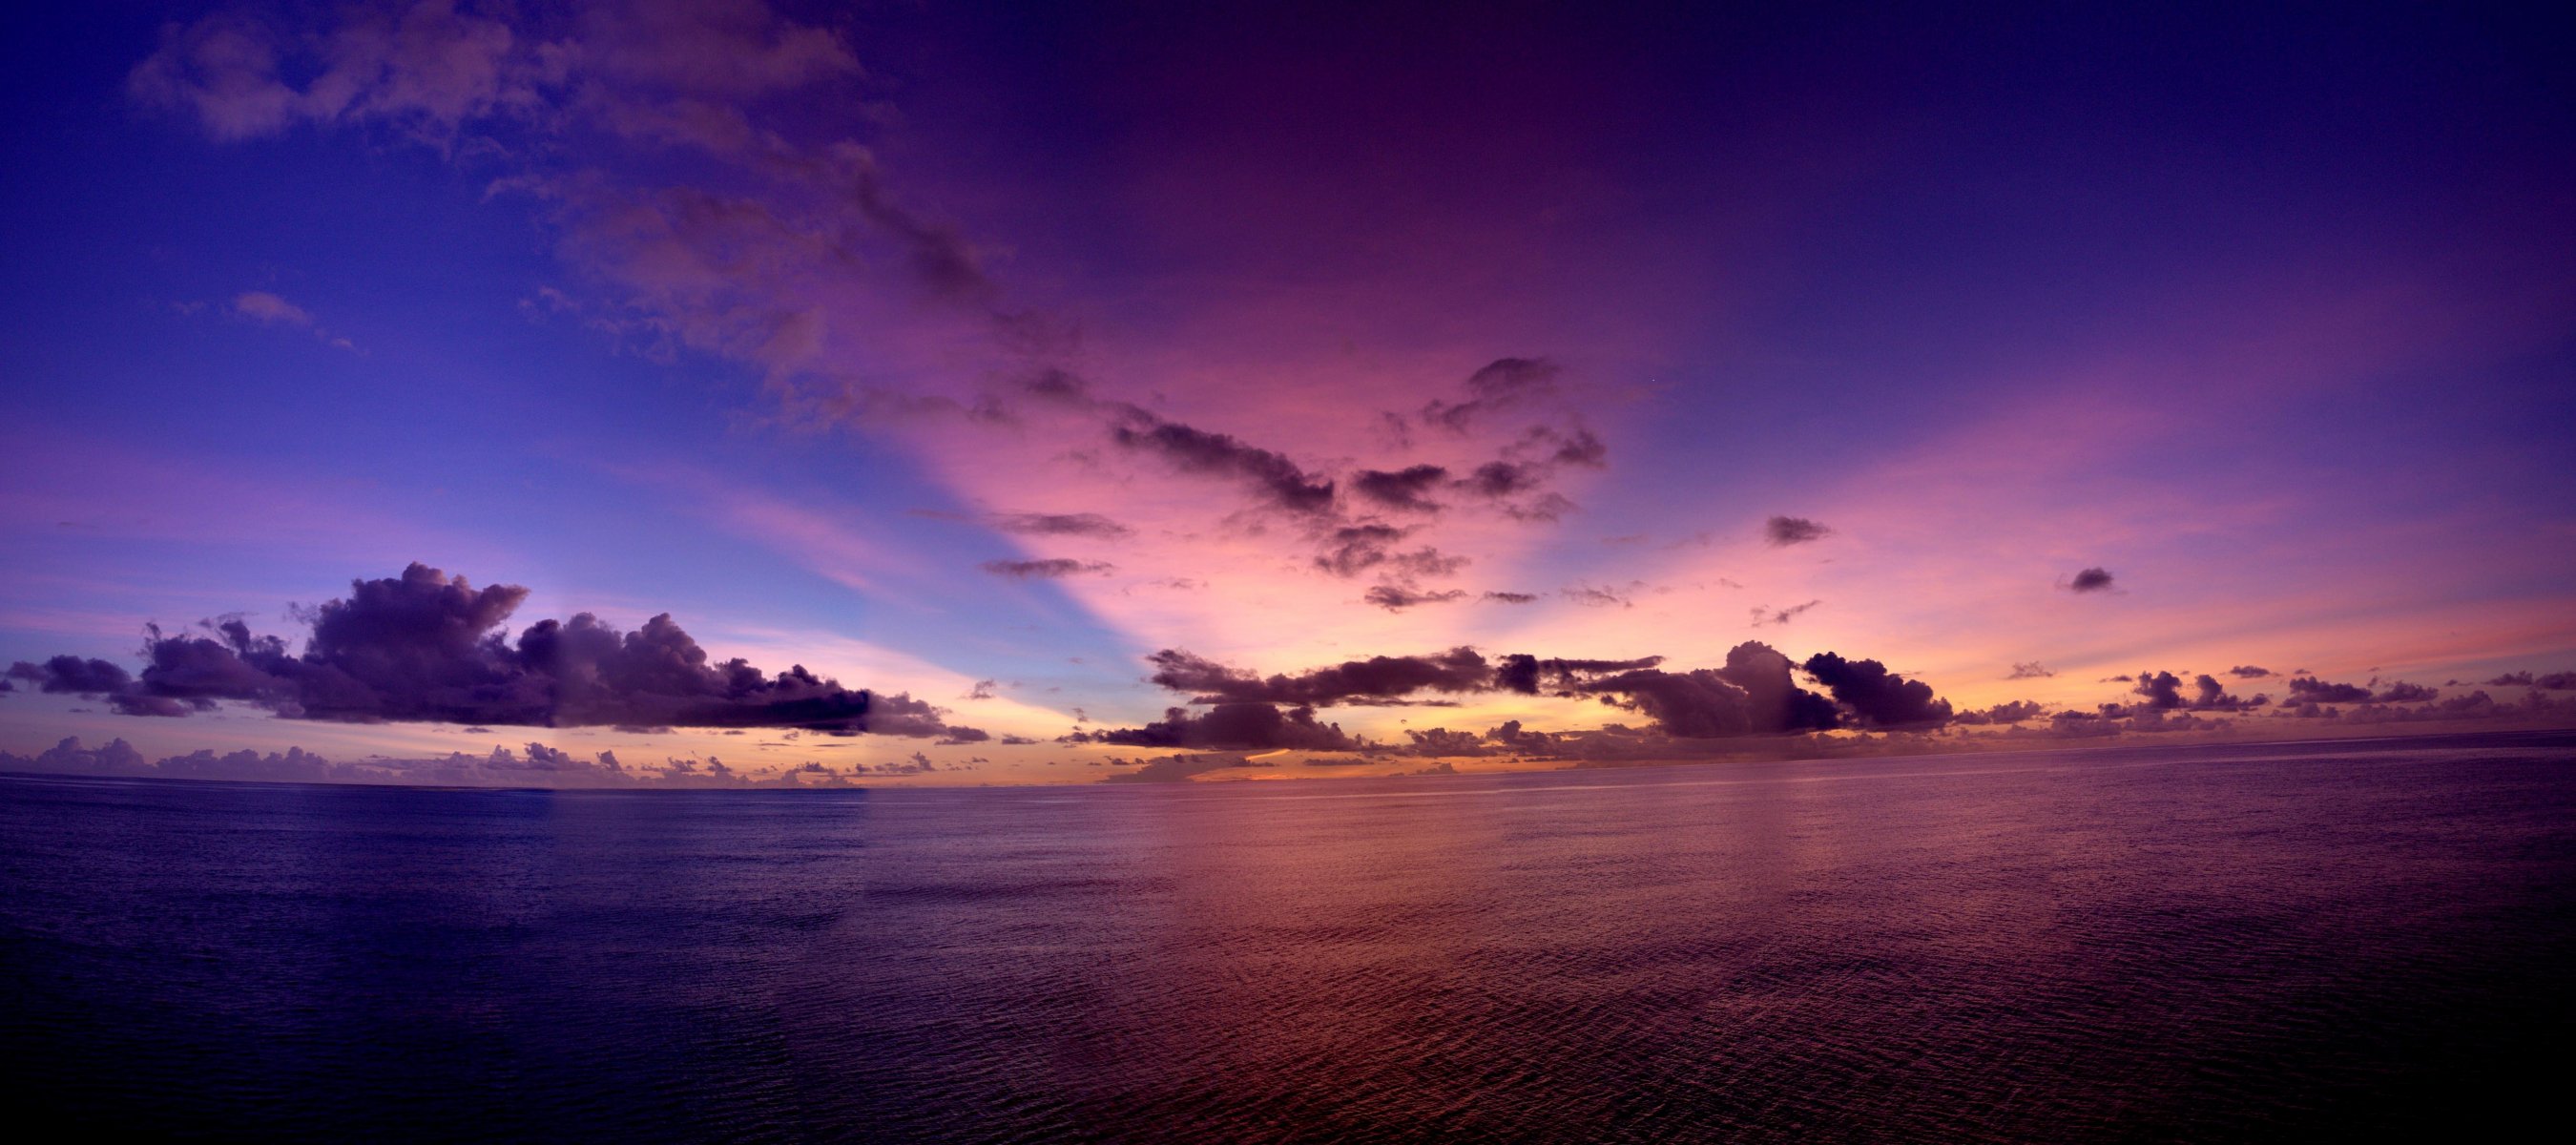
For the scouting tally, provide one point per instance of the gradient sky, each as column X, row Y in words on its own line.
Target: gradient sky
column 794, row 323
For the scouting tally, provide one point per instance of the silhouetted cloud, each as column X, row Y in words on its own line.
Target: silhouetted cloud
column 1396, row 599
column 1228, row 727
column 2554, row 681
column 1378, row 679
column 1767, row 617
column 2089, row 580
column 1499, row 385
column 1061, row 525
column 2401, row 692
column 2249, row 672
column 1878, row 697
column 1511, row 597
column 1596, row 596
column 1406, row 488
column 1181, row 768
column 2033, row 670
column 1277, row 481
column 1784, row 531
column 1528, row 675
column 2308, row 689
column 1753, row 694
column 427, row 647
column 2011, row 712
column 1049, row 568
column 1354, row 549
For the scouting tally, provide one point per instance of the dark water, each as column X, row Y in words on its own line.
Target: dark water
column 2151, row 944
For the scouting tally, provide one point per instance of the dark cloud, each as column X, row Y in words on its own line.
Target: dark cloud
column 1378, row 679
column 1783, row 531
column 2249, row 672
column 1049, row 568
column 2012, row 712
column 1753, row 694
column 1228, row 727
column 1354, row 549
column 1277, row 481
column 1511, row 597
column 1408, row 488
column 1773, row 617
column 1878, row 697
column 2554, row 681
column 2030, row 671
column 1061, row 525
column 2308, row 689
column 2163, row 692
column 1442, row 741
column 1395, row 599
column 1499, row 385
column 2401, row 692
column 427, row 647
column 1595, row 596
column 1528, row 675
column 2089, row 580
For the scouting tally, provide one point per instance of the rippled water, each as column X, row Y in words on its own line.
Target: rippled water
column 2140, row 944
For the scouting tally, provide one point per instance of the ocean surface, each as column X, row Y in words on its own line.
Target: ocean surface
column 2287, row 941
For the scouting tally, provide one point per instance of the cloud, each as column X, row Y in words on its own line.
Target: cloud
column 1354, row 549
column 2033, row 670
column 2401, row 692
column 1772, row 617
column 1878, row 697
column 534, row 765
column 1406, row 488
column 2554, row 681
column 1395, row 599
column 1596, row 596
column 425, row 647
column 1229, row 727
column 2308, row 689
column 2012, row 712
column 2089, row 580
column 1275, row 480
column 1050, row 568
column 1499, row 385
column 1785, row 531
column 1378, row 679
column 1511, row 597
column 1753, row 694
column 2249, row 672
column 1061, row 525
column 261, row 306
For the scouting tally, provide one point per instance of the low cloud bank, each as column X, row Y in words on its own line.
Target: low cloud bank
column 427, row 647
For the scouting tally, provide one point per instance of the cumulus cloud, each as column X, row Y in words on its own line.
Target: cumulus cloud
column 533, row 765
column 2033, row 670
column 2309, row 689
column 1752, row 694
column 2249, row 672
column 1785, row 531
column 2089, row 580
column 428, row 647
column 1049, row 568
column 1879, row 698
column 2011, row 712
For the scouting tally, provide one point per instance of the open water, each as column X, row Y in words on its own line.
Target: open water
column 2291, row 941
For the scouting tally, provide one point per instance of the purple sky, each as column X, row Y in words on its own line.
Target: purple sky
column 971, row 358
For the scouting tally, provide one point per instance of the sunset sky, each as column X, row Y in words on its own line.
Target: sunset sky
column 972, row 356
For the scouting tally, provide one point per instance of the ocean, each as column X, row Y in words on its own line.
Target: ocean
column 2210, row 943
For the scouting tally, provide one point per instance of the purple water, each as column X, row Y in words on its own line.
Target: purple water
column 2142, row 944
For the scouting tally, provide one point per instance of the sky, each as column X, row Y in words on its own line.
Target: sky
column 1127, row 392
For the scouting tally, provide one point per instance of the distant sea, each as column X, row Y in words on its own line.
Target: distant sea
column 2215, row 943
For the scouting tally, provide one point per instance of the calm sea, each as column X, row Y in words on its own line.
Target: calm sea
column 2285, row 941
